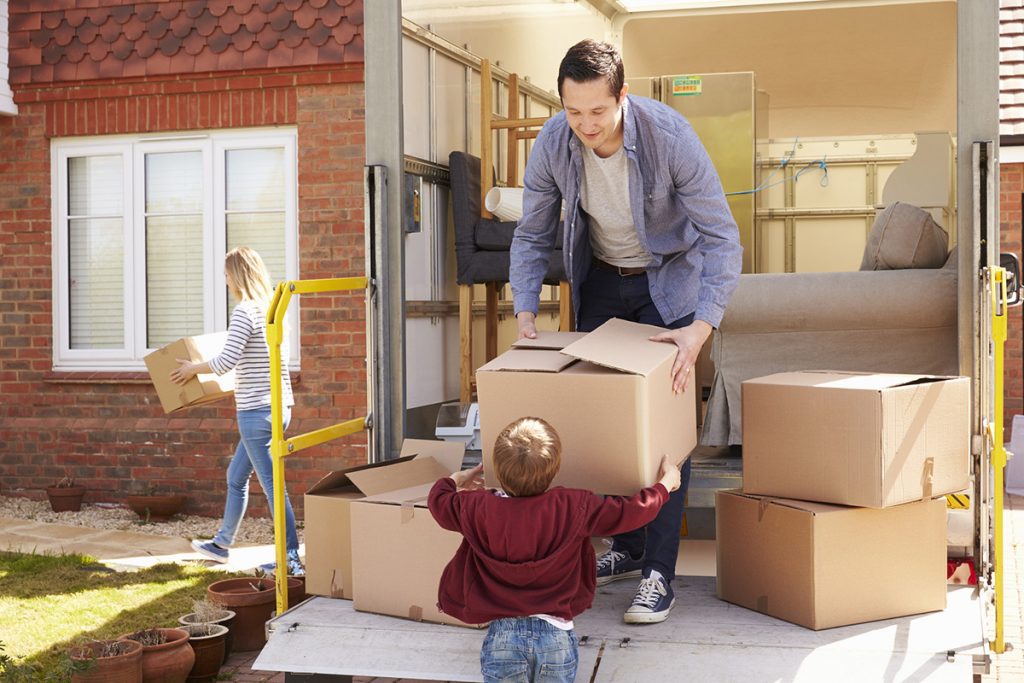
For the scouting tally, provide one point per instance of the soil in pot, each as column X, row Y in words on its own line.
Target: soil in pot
column 156, row 508
column 224, row 618
column 253, row 601
column 110, row 661
column 207, row 641
column 168, row 661
column 65, row 498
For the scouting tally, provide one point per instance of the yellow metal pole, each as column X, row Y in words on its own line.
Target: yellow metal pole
column 998, row 449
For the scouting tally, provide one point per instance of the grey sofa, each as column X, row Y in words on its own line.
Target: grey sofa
column 900, row 318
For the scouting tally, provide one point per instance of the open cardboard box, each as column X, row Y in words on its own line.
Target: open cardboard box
column 201, row 388
column 609, row 396
column 398, row 550
column 822, row 565
column 871, row 440
column 328, row 504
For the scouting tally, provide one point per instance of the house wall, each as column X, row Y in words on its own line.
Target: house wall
column 107, row 429
column 1011, row 189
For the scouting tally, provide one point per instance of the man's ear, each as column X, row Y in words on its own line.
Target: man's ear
column 623, row 92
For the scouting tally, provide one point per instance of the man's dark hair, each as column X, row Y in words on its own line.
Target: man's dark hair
column 589, row 60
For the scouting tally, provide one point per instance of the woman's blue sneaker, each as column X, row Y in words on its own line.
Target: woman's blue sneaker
column 210, row 550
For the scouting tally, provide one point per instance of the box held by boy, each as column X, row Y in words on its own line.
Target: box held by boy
column 200, row 389
column 328, row 505
column 398, row 550
column 870, row 440
column 821, row 565
column 607, row 393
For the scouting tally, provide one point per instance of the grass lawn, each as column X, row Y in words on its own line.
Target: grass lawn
column 50, row 602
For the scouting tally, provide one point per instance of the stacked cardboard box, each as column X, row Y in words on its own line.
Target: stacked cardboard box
column 199, row 389
column 841, row 518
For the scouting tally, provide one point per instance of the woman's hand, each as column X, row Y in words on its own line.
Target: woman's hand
column 184, row 372
column 469, row 480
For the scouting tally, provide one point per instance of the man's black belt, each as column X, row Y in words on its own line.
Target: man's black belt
column 621, row 270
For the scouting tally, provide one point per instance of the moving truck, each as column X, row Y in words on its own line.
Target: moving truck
column 849, row 83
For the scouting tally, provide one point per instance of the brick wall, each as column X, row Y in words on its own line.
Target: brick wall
column 1011, row 188
column 107, row 428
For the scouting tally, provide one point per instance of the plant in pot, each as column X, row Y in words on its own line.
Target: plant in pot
column 253, row 601
column 205, row 612
column 208, row 641
column 151, row 506
column 166, row 655
column 107, row 661
column 65, row 495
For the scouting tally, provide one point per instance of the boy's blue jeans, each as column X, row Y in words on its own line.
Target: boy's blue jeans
column 528, row 650
column 253, row 453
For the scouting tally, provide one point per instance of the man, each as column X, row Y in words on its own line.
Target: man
column 648, row 238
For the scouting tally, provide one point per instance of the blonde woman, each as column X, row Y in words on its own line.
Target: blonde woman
column 246, row 351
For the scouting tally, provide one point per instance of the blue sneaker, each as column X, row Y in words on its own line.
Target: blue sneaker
column 614, row 565
column 295, row 567
column 210, row 550
column 653, row 600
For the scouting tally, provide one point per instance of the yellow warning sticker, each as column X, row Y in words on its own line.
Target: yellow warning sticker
column 958, row 501
column 687, row 85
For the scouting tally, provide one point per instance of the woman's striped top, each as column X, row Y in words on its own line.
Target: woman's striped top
column 246, row 351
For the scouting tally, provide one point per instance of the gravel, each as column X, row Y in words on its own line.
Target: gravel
column 258, row 531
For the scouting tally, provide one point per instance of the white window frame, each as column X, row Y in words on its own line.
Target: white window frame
column 214, row 146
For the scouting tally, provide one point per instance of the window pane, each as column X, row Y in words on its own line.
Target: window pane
column 95, row 185
column 174, row 182
column 255, row 179
column 96, row 276
column 174, row 278
column 263, row 232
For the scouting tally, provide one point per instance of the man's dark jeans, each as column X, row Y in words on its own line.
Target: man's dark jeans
column 603, row 296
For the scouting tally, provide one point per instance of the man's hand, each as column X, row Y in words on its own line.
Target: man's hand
column 669, row 475
column 527, row 326
column 689, row 339
column 469, row 480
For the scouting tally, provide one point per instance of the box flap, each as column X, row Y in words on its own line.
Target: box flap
column 415, row 496
column 339, row 478
column 844, row 380
column 804, row 505
column 549, row 340
column 624, row 346
column 398, row 475
column 448, row 453
column 529, row 360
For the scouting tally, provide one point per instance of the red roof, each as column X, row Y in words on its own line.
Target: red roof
column 52, row 40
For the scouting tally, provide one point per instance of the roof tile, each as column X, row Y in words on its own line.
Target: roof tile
column 169, row 10
column 50, row 20
column 194, row 43
column 110, row 30
column 280, row 18
column 123, row 13
column 305, row 17
column 133, row 30
column 243, row 39
column 194, row 8
column 255, row 21
column 206, row 23
column 98, row 50
column 145, row 11
column 268, row 38
column 230, row 22
column 331, row 14
column 318, row 4
column 88, row 31
column 157, row 27
column 319, row 34
column 181, row 25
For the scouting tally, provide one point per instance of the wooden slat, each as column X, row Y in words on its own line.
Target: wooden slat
column 512, row 163
column 491, row 337
column 486, row 137
column 465, row 342
column 565, row 322
column 519, row 123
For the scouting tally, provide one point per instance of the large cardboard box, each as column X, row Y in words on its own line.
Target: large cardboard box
column 398, row 550
column 201, row 388
column 609, row 396
column 822, row 565
column 871, row 440
column 328, row 506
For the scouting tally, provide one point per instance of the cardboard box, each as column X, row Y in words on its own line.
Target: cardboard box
column 201, row 388
column 871, row 440
column 328, row 510
column 398, row 550
column 822, row 565
column 609, row 396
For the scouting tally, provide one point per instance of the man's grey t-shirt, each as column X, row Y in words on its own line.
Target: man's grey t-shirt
column 604, row 197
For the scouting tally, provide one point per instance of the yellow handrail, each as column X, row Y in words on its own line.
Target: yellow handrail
column 998, row 299
column 280, row 447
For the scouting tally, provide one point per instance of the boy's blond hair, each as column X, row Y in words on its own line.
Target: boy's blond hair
column 249, row 274
column 527, row 455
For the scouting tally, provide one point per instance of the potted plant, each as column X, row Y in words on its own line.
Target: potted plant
column 151, row 506
column 107, row 661
column 65, row 495
column 208, row 641
column 253, row 601
column 166, row 655
column 205, row 612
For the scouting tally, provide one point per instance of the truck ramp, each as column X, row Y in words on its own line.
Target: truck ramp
column 704, row 640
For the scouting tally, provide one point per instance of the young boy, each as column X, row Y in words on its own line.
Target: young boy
column 526, row 563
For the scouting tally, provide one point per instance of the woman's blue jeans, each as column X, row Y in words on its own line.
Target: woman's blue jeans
column 528, row 650
column 253, row 453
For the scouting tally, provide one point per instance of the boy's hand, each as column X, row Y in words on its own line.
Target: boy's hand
column 669, row 474
column 469, row 480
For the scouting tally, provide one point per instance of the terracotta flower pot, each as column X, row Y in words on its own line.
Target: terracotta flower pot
column 125, row 667
column 65, row 498
column 156, row 508
column 208, row 641
column 168, row 662
column 253, row 601
column 227, row 620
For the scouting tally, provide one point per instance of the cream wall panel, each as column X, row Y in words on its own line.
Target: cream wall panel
column 828, row 245
column 773, row 247
column 416, row 98
column 452, row 107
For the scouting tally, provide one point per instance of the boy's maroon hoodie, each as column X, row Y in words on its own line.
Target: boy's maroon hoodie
column 529, row 555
